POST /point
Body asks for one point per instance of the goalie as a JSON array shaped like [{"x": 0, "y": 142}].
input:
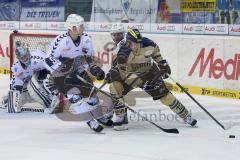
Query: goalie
[{"x": 29, "y": 82}]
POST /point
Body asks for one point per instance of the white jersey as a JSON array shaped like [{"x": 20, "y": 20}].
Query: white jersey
[
  {"x": 122, "y": 42},
  {"x": 63, "y": 46},
  {"x": 22, "y": 75},
  {"x": 119, "y": 45}
]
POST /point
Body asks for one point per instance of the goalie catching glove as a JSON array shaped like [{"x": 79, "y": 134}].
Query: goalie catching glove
[
  {"x": 97, "y": 72},
  {"x": 164, "y": 68}
]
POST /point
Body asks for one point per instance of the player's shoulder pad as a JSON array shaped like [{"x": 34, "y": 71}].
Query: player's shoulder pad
[
  {"x": 146, "y": 42},
  {"x": 86, "y": 39},
  {"x": 16, "y": 67},
  {"x": 38, "y": 55},
  {"x": 58, "y": 40},
  {"x": 124, "y": 49},
  {"x": 86, "y": 35},
  {"x": 61, "y": 36}
]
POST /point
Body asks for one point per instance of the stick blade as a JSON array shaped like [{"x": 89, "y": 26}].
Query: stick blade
[{"x": 172, "y": 130}]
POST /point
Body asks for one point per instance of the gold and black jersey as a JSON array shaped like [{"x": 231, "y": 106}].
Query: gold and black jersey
[{"x": 142, "y": 61}]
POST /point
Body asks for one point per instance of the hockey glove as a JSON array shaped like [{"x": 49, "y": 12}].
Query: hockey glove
[
  {"x": 121, "y": 58},
  {"x": 112, "y": 75},
  {"x": 97, "y": 72},
  {"x": 164, "y": 69}
]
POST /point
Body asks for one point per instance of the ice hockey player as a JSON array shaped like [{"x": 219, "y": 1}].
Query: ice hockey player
[
  {"x": 27, "y": 83},
  {"x": 118, "y": 35},
  {"x": 76, "y": 46},
  {"x": 140, "y": 65}
]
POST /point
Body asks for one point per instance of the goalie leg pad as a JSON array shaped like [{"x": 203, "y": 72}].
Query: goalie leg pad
[
  {"x": 14, "y": 102},
  {"x": 38, "y": 93},
  {"x": 54, "y": 106},
  {"x": 49, "y": 86}
]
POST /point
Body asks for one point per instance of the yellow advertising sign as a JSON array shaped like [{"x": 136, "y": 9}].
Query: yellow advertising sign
[
  {"x": 4, "y": 71},
  {"x": 198, "y": 6}
]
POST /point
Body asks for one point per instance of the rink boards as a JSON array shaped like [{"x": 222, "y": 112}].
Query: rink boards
[{"x": 205, "y": 65}]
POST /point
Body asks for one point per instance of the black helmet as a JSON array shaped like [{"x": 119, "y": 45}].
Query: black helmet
[{"x": 134, "y": 35}]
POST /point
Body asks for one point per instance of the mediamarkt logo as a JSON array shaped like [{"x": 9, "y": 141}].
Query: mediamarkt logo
[{"x": 216, "y": 67}]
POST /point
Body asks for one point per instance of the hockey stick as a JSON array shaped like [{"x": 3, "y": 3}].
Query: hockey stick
[
  {"x": 184, "y": 90},
  {"x": 104, "y": 83},
  {"x": 172, "y": 130},
  {"x": 191, "y": 96}
]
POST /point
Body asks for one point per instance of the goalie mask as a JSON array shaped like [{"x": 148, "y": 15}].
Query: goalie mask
[
  {"x": 23, "y": 55},
  {"x": 117, "y": 32},
  {"x": 75, "y": 23}
]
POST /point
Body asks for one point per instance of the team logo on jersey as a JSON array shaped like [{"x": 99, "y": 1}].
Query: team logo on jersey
[
  {"x": 66, "y": 49},
  {"x": 85, "y": 50}
]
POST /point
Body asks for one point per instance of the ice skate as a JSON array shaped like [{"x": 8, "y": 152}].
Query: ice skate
[
  {"x": 105, "y": 121},
  {"x": 121, "y": 123},
  {"x": 95, "y": 126},
  {"x": 191, "y": 121}
]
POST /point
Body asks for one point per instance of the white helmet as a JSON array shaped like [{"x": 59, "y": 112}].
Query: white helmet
[
  {"x": 117, "y": 28},
  {"x": 74, "y": 20}
]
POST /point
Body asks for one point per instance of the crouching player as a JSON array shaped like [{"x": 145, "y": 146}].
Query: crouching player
[
  {"x": 140, "y": 65},
  {"x": 70, "y": 61},
  {"x": 29, "y": 82}
]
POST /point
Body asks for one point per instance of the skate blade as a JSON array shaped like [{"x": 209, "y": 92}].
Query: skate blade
[{"x": 120, "y": 128}]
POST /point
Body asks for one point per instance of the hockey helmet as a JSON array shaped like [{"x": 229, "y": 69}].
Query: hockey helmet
[
  {"x": 117, "y": 32},
  {"x": 117, "y": 28},
  {"x": 23, "y": 55},
  {"x": 134, "y": 35},
  {"x": 74, "y": 20}
]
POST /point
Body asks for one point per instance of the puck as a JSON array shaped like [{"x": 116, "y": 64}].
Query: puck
[{"x": 231, "y": 136}]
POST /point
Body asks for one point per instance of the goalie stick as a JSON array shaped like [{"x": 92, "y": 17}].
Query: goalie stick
[{"x": 171, "y": 130}]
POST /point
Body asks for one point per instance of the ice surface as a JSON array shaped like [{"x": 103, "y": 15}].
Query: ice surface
[{"x": 38, "y": 136}]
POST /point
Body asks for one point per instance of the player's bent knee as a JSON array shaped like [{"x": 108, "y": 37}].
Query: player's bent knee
[{"x": 116, "y": 88}]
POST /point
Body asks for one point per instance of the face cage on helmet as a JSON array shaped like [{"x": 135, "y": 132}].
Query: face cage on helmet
[
  {"x": 25, "y": 59},
  {"x": 78, "y": 29},
  {"x": 122, "y": 35}
]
